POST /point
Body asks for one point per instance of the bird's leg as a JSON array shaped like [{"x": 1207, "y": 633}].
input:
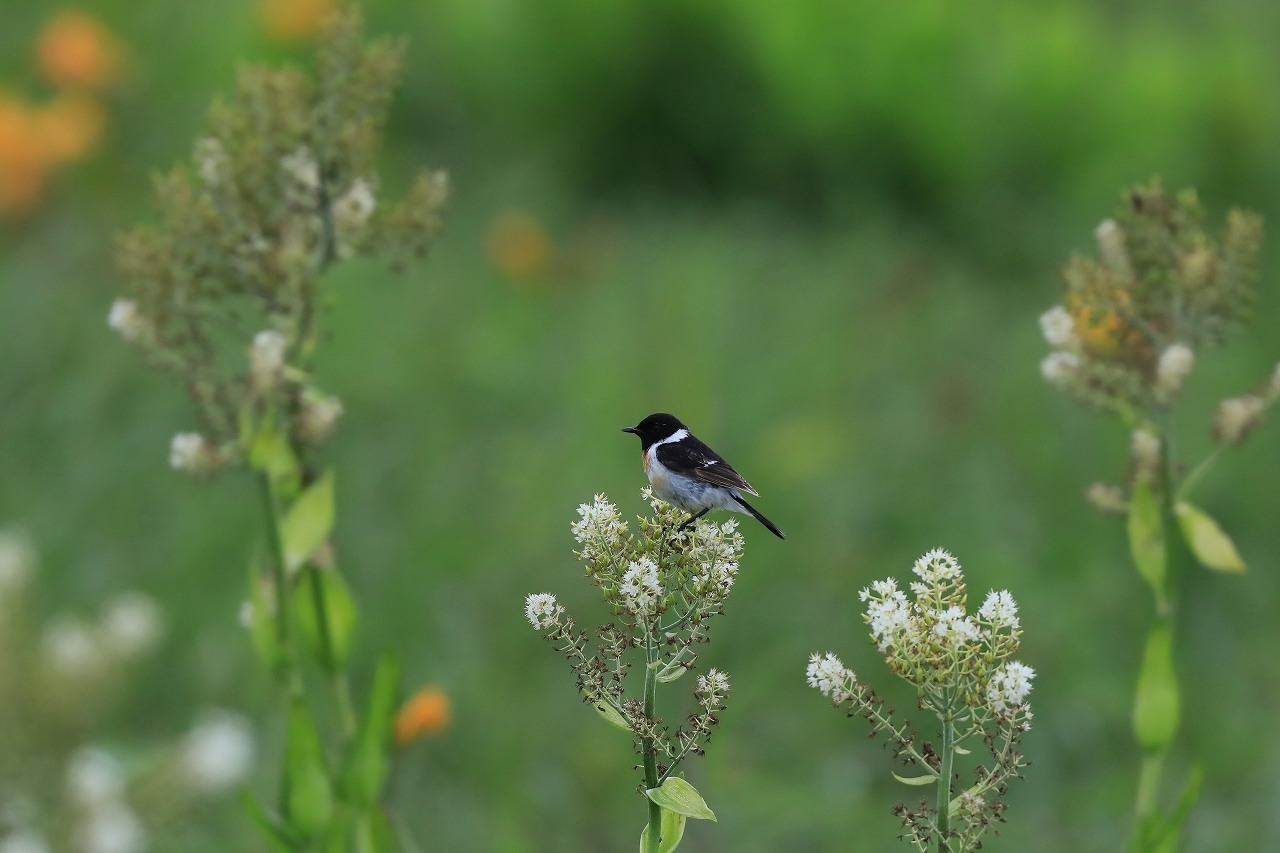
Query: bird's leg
[{"x": 691, "y": 519}]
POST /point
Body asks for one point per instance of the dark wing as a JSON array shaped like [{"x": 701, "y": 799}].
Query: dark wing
[{"x": 694, "y": 459}]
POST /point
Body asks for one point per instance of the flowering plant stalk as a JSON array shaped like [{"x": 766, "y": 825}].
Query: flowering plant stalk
[
  {"x": 1125, "y": 340},
  {"x": 226, "y": 293},
  {"x": 961, "y": 668},
  {"x": 662, "y": 585}
]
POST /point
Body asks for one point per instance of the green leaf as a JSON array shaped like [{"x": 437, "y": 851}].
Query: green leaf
[
  {"x": 262, "y": 621},
  {"x": 367, "y": 768},
  {"x": 308, "y": 792},
  {"x": 916, "y": 780},
  {"x": 277, "y": 835},
  {"x": 1156, "y": 706},
  {"x": 611, "y": 715},
  {"x": 1146, "y": 537},
  {"x": 339, "y": 609},
  {"x": 375, "y": 834},
  {"x": 308, "y": 522},
  {"x": 960, "y": 750},
  {"x": 670, "y": 673},
  {"x": 1207, "y": 540},
  {"x": 679, "y": 796},
  {"x": 671, "y": 829}
]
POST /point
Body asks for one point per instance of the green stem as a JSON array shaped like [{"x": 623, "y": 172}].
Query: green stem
[
  {"x": 337, "y": 678},
  {"x": 287, "y": 670},
  {"x": 653, "y": 832},
  {"x": 1199, "y": 471},
  {"x": 944, "y": 782},
  {"x": 1149, "y": 787}
]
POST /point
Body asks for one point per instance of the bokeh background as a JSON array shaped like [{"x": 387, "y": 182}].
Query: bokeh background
[{"x": 819, "y": 232}]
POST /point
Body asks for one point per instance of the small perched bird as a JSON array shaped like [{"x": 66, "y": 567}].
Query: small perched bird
[{"x": 686, "y": 473}]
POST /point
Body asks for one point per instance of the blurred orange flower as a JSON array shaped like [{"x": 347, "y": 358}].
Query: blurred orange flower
[
  {"x": 76, "y": 50},
  {"x": 519, "y": 246},
  {"x": 424, "y": 713},
  {"x": 295, "y": 20},
  {"x": 22, "y": 158},
  {"x": 69, "y": 127}
]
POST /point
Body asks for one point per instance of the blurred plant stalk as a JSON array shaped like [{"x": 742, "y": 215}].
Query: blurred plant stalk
[
  {"x": 227, "y": 294},
  {"x": 1124, "y": 341}
]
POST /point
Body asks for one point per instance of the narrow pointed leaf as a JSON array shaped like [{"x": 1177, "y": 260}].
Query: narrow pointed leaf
[
  {"x": 1156, "y": 706},
  {"x": 670, "y": 673},
  {"x": 611, "y": 715},
  {"x": 1207, "y": 540},
  {"x": 339, "y": 610},
  {"x": 308, "y": 792},
  {"x": 916, "y": 780},
  {"x": 1146, "y": 536},
  {"x": 679, "y": 796},
  {"x": 275, "y": 833},
  {"x": 367, "y": 769},
  {"x": 308, "y": 522}
]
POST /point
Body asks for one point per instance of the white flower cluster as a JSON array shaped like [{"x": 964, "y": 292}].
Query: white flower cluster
[
  {"x": 218, "y": 752},
  {"x": 1175, "y": 363},
  {"x": 717, "y": 549},
  {"x": 542, "y": 610},
  {"x": 1236, "y": 417},
  {"x": 640, "y": 588},
  {"x": 830, "y": 677},
  {"x": 600, "y": 528},
  {"x": 936, "y": 567},
  {"x": 96, "y": 784},
  {"x": 301, "y": 168},
  {"x": 351, "y": 212},
  {"x": 266, "y": 360},
  {"x": 192, "y": 453},
  {"x": 129, "y": 625},
  {"x": 714, "y": 684},
  {"x": 212, "y": 161},
  {"x": 1009, "y": 686},
  {"x": 955, "y": 627},
  {"x": 889, "y": 614},
  {"x": 127, "y": 320},
  {"x": 1000, "y": 610},
  {"x": 1060, "y": 366},
  {"x": 319, "y": 416}
]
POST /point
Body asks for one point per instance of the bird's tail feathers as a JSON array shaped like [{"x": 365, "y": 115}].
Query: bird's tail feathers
[{"x": 773, "y": 528}]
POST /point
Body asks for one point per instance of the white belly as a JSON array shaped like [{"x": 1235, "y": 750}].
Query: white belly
[{"x": 690, "y": 495}]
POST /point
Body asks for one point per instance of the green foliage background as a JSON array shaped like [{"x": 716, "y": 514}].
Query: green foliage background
[{"x": 819, "y": 232}]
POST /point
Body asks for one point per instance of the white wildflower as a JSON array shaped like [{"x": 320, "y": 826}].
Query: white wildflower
[
  {"x": 113, "y": 828},
  {"x": 955, "y": 627},
  {"x": 1010, "y": 685},
  {"x": 1111, "y": 246},
  {"x": 1236, "y": 416},
  {"x": 131, "y": 623},
  {"x": 190, "y": 452},
  {"x": 217, "y": 753},
  {"x": 266, "y": 360},
  {"x": 1107, "y": 498},
  {"x": 937, "y": 566},
  {"x": 302, "y": 168},
  {"x": 1145, "y": 448},
  {"x": 211, "y": 161},
  {"x": 542, "y": 610},
  {"x": 1059, "y": 368},
  {"x": 94, "y": 777},
  {"x": 640, "y": 588},
  {"x": 319, "y": 416},
  {"x": 830, "y": 677},
  {"x": 1175, "y": 363},
  {"x": 714, "y": 681},
  {"x": 1057, "y": 326},
  {"x": 71, "y": 647},
  {"x": 890, "y": 620},
  {"x": 600, "y": 529},
  {"x": 351, "y": 213},
  {"x": 1000, "y": 610},
  {"x": 127, "y": 320}
]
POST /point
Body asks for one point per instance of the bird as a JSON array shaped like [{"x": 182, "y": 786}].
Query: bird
[{"x": 687, "y": 474}]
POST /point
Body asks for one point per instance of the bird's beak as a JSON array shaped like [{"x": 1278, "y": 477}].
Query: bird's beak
[{"x": 629, "y": 429}]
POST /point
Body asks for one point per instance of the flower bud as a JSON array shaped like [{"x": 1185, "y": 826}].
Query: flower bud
[{"x": 1236, "y": 416}]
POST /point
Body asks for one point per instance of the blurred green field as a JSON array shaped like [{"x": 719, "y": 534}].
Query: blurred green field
[{"x": 819, "y": 233}]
